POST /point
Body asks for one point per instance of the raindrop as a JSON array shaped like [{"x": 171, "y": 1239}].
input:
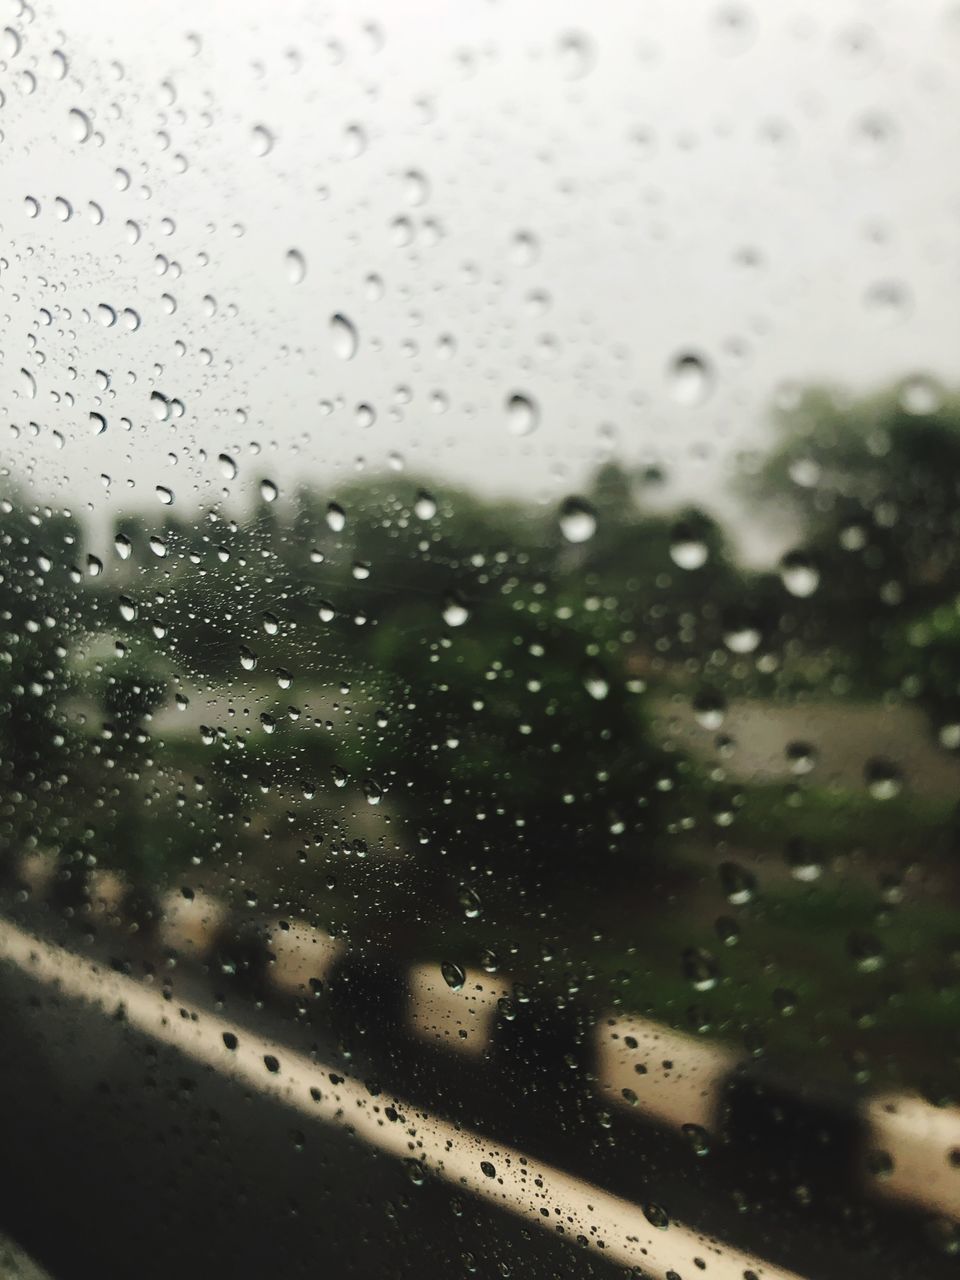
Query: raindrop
[
  {"x": 887, "y": 301},
  {"x": 921, "y": 395},
  {"x": 28, "y": 384},
  {"x": 690, "y": 379},
  {"x": 687, "y": 550},
  {"x": 425, "y": 505},
  {"x": 523, "y": 415},
  {"x": 801, "y": 757},
  {"x": 656, "y": 1215},
  {"x": 416, "y": 190},
  {"x": 709, "y": 710},
  {"x": 575, "y": 54},
  {"x": 268, "y": 491},
  {"x": 98, "y": 423},
  {"x": 355, "y": 141},
  {"x": 455, "y": 612},
  {"x": 344, "y": 337},
  {"x": 884, "y": 780},
  {"x": 578, "y": 520},
  {"x": 106, "y": 315},
  {"x": 123, "y": 546},
  {"x": 738, "y": 884},
  {"x": 261, "y": 139},
  {"x": 596, "y": 683},
  {"x": 697, "y": 1137},
  {"x": 80, "y": 126},
  {"x": 248, "y": 659},
  {"x": 296, "y": 266},
  {"x": 336, "y": 517},
  {"x": 700, "y": 968},
  {"x": 164, "y": 494},
  {"x": 799, "y": 575},
  {"x": 453, "y": 975},
  {"x": 469, "y": 900},
  {"x": 742, "y": 639},
  {"x": 158, "y": 546},
  {"x": 271, "y": 624},
  {"x": 228, "y": 467}
]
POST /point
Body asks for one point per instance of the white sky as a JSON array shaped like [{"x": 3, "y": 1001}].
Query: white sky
[{"x": 643, "y": 146}]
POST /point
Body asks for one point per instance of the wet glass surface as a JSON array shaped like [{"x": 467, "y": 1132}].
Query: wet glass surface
[{"x": 480, "y": 639}]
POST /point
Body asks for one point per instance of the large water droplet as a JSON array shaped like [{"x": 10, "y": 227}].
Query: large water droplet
[
  {"x": 453, "y": 975},
  {"x": 690, "y": 379},
  {"x": 799, "y": 574},
  {"x": 261, "y": 140},
  {"x": 884, "y": 780},
  {"x": 425, "y": 506},
  {"x": 523, "y": 415},
  {"x": 80, "y": 126},
  {"x": 344, "y": 337},
  {"x": 687, "y": 550},
  {"x": 578, "y": 520},
  {"x": 455, "y": 612},
  {"x": 336, "y": 517},
  {"x": 296, "y": 266}
]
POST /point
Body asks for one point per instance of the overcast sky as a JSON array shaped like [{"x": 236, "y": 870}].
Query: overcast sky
[{"x": 548, "y": 200}]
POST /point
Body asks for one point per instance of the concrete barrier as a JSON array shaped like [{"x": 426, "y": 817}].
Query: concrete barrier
[
  {"x": 461, "y": 1019},
  {"x": 673, "y": 1077},
  {"x": 914, "y": 1152}
]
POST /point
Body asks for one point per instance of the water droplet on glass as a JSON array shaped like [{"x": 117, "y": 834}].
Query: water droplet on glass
[
  {"x": 425, "y": 506},
  {"x": 271, "y": 624},
  {"x": 455, "y": 612},
  {"x": 28, "y": 384},
  {"x": 344, "y": 337},
  {"x": 336, "y": 517},
  {"x": 801, "y": 757},
  {"x": 158, "y": 546},
  {"x": 248, "y": 659},
  {"x": 799, "y": 574},
  {"x": 261, "y": 139},
  {"x": 884, "y": 780},
  {"x": 709, "y": 710},
  {"x": 296, "y": 266},
  {"x": 453, "y": 975},
  {"x": 469, "y": 900},
  {"x": 523, "y": 415},
  {"x": 700, "y": 968},
  {"x": 742, "y": 639},
  {"x": 268, "y": 491},
  {"x": 228, "y": 467},
  {"x": 690, "y": 379},
  {"x": 123, "y": 545},
  {"x": 575, "y": 54},
  {"x": 80, "y": 126},
  {"x": 687, "y": 550},
  {"x": 578, "y": 520},
  {"x": 596, "y": 683},
  {"x": 164, "y": 494}
]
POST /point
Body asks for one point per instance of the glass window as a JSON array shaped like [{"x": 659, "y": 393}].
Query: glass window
[{"x": 480, "y": 639}]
